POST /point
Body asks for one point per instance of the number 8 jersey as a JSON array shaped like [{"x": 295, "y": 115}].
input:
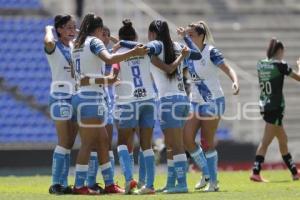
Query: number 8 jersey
[
  {"x": 271, "y": 78},
  {"x": 136, "y": 83}
]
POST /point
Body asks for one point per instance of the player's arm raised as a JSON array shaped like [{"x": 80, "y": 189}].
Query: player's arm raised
[
  {"x": 296, "y": 75},
  {"x": 49, "y": 40}
]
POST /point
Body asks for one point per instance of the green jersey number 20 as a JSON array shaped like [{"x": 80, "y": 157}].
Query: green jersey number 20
[{"x": 266, "y": 87}]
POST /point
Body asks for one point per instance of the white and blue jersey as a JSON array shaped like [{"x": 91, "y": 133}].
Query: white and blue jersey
[
  {"x": 62, "y": 85},
  {"x": 89, "y": 101},
  {"x": 174, "y": 104},
  {"x": 135, "y": 94},
  {"x": 206, "y": 96}
]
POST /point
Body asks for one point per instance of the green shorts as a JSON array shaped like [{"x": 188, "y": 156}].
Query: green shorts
[{"x": 273, "y": 116}]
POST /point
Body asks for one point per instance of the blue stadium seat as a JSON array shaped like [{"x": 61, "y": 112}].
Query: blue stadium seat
[
  {"x": 20, "y": 4},
  {"x": 20, "y": 124}
]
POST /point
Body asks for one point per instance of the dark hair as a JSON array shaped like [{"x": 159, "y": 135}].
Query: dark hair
[
  {"x": 274, "y": 46},
  {"x": 89, "y": 24},
  {"x": 106, "y": 29},
  {"x": 161, "y": 29},
  {"x": 60, "y": 21},
  {"x": 127, "y": 32}
]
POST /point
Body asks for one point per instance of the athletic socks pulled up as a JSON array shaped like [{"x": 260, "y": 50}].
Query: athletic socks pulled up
[
  {"x": 290, "y": 163},
  {"x": 107, "y": 173},
  {"x": 80, "y": 175},
  {"x": 171, "y": 180},
  {"x": 180, "y": 165},
  {"x": 150, "y": 167},
  {"x": 142, "y": 168},
  {"x": 212, "y": 163},
  {"x": 199, "y": 158},
  {"x": 112, "y": 161},
  {"x": 93, "y": 169},
  {"x": 257, "y": 164},
  {"x": 60, "y": 169},
  {"x": 125, "y": 162}
]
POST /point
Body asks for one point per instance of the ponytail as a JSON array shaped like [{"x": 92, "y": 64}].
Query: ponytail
[
  {"x": 274, "y": 46},
  {"x": 89, "y": 24},
  {"x": 161, "y": 28}
]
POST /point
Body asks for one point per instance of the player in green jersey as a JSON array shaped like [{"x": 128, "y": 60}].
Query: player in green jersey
[{"x": 271, "y": 72}]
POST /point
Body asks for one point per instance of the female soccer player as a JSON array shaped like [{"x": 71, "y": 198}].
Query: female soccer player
[
  {"x": 93, "y": 163},
  {"x": 207, "y": 99},
  {"x": 135, "y": 100},
  {"x": 62, "y": 89},
  {"x": 271, "y": 72},
  {"x": 174, "y": 104},
  {"x": 88, "y": 55}
]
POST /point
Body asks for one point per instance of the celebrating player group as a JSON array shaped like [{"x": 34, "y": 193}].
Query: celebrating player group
[{"x": 99, "y": 81}]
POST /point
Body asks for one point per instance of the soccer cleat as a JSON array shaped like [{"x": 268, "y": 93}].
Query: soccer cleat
[
  {"x": 212, "y": 187},
  {"x": 176, "y": 189},
  {"x": 84, "y": 191},
  {"x": 140, "y": 185},
  {"x": 144, "y": 190},
  {"x": 296, "y": 177},
  {"x": 130, "y": 187},
  {"x": 96, "y": 187},
  {"x": 68, "y": 189},
  {"x": 258, "y": 178},
  {"x": 56, "y": 189},
  {"x": 162, "y": 189},
  {"x": 113, "y": 189},
  {"x": 202, "y": 183}
]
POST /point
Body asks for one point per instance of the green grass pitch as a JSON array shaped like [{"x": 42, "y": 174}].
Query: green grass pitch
[{"x": 233, "y": 186}]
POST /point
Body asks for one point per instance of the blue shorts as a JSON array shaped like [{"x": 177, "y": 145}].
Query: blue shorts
[
  {"x": 213, "y": 108},
  {"x": 61, "y": 106},
  {"x": 89, "y": 105},
  {"x": 173, "y": 111},
  {"x": 139, "y": 113}
]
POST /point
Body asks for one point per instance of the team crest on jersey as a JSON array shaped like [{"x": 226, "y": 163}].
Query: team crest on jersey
[
  {"x": 203, "y": 62},
  {"x": 101, "y": 110},
  {"x": 65, "y": 112}
]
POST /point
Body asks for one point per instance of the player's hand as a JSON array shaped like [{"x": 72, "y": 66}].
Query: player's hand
[
  {"x": 235, "y": 88},
  {"x": 112, "y": 79},
  {"x": 185, "y": 51},
  {"x": 298, "y": 62},
  {"x": 50, "y": 27},
  {"x": 116, "y": 47},
  {"x": 181, "y": 31},
  {"x": 84, "y": 81},
  {"x": 140, "y": 50}
]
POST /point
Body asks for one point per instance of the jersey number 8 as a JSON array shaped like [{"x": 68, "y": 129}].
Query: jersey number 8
[{"x": 136, "y": 76}]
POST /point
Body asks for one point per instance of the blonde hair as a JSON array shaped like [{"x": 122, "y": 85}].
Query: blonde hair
[{"x": 202, "y": 28}]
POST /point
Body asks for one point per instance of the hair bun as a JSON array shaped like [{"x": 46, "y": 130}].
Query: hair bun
[
  {"x": 57, "y": 18},
  {"x": 127, "y": 23}
]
